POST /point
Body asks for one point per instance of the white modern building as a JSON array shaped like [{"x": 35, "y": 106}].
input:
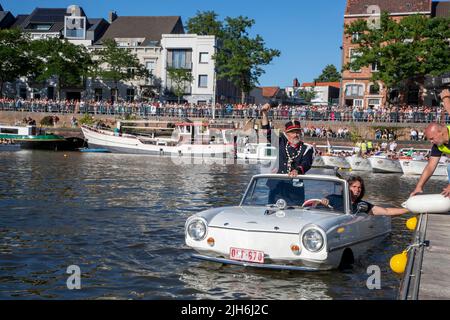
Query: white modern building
[
  {"x": 194, "y": 53},
  {"x": 325, "y": 92}
]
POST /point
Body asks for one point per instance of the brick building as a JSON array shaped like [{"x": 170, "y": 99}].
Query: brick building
[{"x": 357, "y": 88}]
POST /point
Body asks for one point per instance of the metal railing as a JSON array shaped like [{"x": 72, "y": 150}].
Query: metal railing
[{"x": 146, "y": 110}]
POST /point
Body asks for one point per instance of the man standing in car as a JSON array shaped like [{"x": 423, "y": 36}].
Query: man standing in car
[{"x": 294, "y": 157}]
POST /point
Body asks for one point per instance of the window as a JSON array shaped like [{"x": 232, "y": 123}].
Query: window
[
  {"x": 204, "y": 57},
  {"x": 122, "y": 44},
  {"x": 356, "y": 36},
  {"x": 150, "y": 65},
  {"x": 23, "y": 92},
  {"x": 39, "y": 26},
  {"x": 98, "y": 94},
  {"x": 374, "y": 103},
  {"x": 179, "y": 59},
  {"x": 203, "y": 81},
  {"x": 355, "y": 90},
  {"x": 374, "y": 67},
  {"x": 114, "y": 94},
  {"x": 353, "y": 55},
  {"x": 358, "y": 102},
  {"x": 130, "y": 95},
  {"x": 9, "y": 131},
  {"x": 374, "y": 89},
  {"x": 130, "y": 72}
]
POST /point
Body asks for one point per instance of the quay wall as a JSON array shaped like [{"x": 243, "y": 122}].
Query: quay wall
[{"x": 365, "y": 130}]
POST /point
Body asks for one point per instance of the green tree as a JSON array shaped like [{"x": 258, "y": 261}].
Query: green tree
[
  {"x": 205, "y": 24},
  {"x": 306, "y": 95},
  {"x": 179, "y": 78},
  {"x": 329, "y": 74},
  {"x": 118, "y": 64},
  {"x": 239, "y": 57},
  {"x": 404, "y": 52},
  {"x": 69, "y": 63},
  {"x": 15, "y": 57}
]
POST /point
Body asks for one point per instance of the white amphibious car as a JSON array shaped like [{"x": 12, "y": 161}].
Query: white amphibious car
[{"x": 281, "y": 224}]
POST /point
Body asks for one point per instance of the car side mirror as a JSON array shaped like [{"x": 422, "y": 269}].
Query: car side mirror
[{"x": 362, "y": 207}]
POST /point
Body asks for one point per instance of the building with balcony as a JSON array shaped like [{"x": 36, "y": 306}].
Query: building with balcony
[{"x": 194, "y": 53}]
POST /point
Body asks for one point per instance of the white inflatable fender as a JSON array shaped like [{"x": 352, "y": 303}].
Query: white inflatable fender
[{"x": 430, "y": 203}]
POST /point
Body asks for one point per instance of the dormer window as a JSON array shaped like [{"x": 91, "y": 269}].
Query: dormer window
[{"x": 40, "y": 26}]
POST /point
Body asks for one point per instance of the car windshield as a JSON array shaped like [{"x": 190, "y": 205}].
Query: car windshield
[{"x": 296, "y": 192}]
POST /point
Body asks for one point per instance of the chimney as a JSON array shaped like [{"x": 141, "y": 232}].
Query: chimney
[
  {"x": 112, "y": 16},
  {"x": 296, "y": 84}
]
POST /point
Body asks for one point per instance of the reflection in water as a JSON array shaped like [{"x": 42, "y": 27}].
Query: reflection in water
[{"x": 121, "y": 219}]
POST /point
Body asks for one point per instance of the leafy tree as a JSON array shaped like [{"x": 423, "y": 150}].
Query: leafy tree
[
  {"x": 15, "y": 58},
  {"x": 405, "y": 52},
  {"x": 239, "y": 57},
  {"x": 204, "y": 24},
  {"x": 179, "y": 78},
  {"x": 329, "y": 74},
  {"x": 118, "y": 64},
  {"x": 69, "y": 63},
  {"x": 306, "y": 95}
]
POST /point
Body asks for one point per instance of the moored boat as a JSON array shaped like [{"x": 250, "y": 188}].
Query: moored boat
[
  {"x": 383, "y": 164},
  {"x": 358, "y": 163},
  {"x": 257, "y": 151},
  {"x": 330, "y": 161},
  {"x": 185, "y": 139},
  {"x": 416, "y": 167},
  {"x": 30, "y": 137}
]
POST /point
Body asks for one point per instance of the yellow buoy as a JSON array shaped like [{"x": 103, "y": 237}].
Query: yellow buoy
[
  {"x": 398, "y": 262},
  {"x": 411, "y": 224}
]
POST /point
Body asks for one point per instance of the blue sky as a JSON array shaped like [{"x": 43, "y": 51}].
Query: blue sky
[{"x": 308, "y": 33}]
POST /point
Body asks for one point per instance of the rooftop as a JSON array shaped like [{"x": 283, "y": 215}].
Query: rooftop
[
  {"x": 361, "y": 7},
  {"x": 150, "y": 27}
]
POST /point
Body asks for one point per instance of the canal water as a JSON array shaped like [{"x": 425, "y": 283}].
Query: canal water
[{"x": 120, "y": 218}]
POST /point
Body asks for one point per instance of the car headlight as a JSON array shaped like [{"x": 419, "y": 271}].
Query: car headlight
[
  {"x": 196, "y": 229},
  {"x": 312, "y": 240}
]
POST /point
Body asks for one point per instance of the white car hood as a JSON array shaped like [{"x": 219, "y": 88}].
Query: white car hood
[{"x": 254, "y": 219}]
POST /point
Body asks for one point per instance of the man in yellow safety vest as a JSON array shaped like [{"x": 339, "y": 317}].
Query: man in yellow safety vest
[{"x": 439, "y": 135}]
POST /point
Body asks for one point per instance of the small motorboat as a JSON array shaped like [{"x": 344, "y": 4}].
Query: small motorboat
[
  {"x": 257, "y": 151},
  {"x": 358, "y": 163},
  {"x": 416, "y": 167},
  {"x": 383, "y": 164}
]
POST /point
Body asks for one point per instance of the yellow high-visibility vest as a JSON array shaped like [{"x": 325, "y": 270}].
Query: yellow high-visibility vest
[{"x": 443, "y": 148}]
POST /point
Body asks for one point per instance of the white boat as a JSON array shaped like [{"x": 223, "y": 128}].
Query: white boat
[
  {"x": 187, "y": 139},
  {"x": 331, "y": 157},
  {"x": 318, "y": 162},
  {"x": 358, "y": 163},
  {"x": 382, "y": 164},
  {"x": 415, "y": 167},
  {"x": 257, "y": 151},
  {"x": 335, "y": 162}
]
